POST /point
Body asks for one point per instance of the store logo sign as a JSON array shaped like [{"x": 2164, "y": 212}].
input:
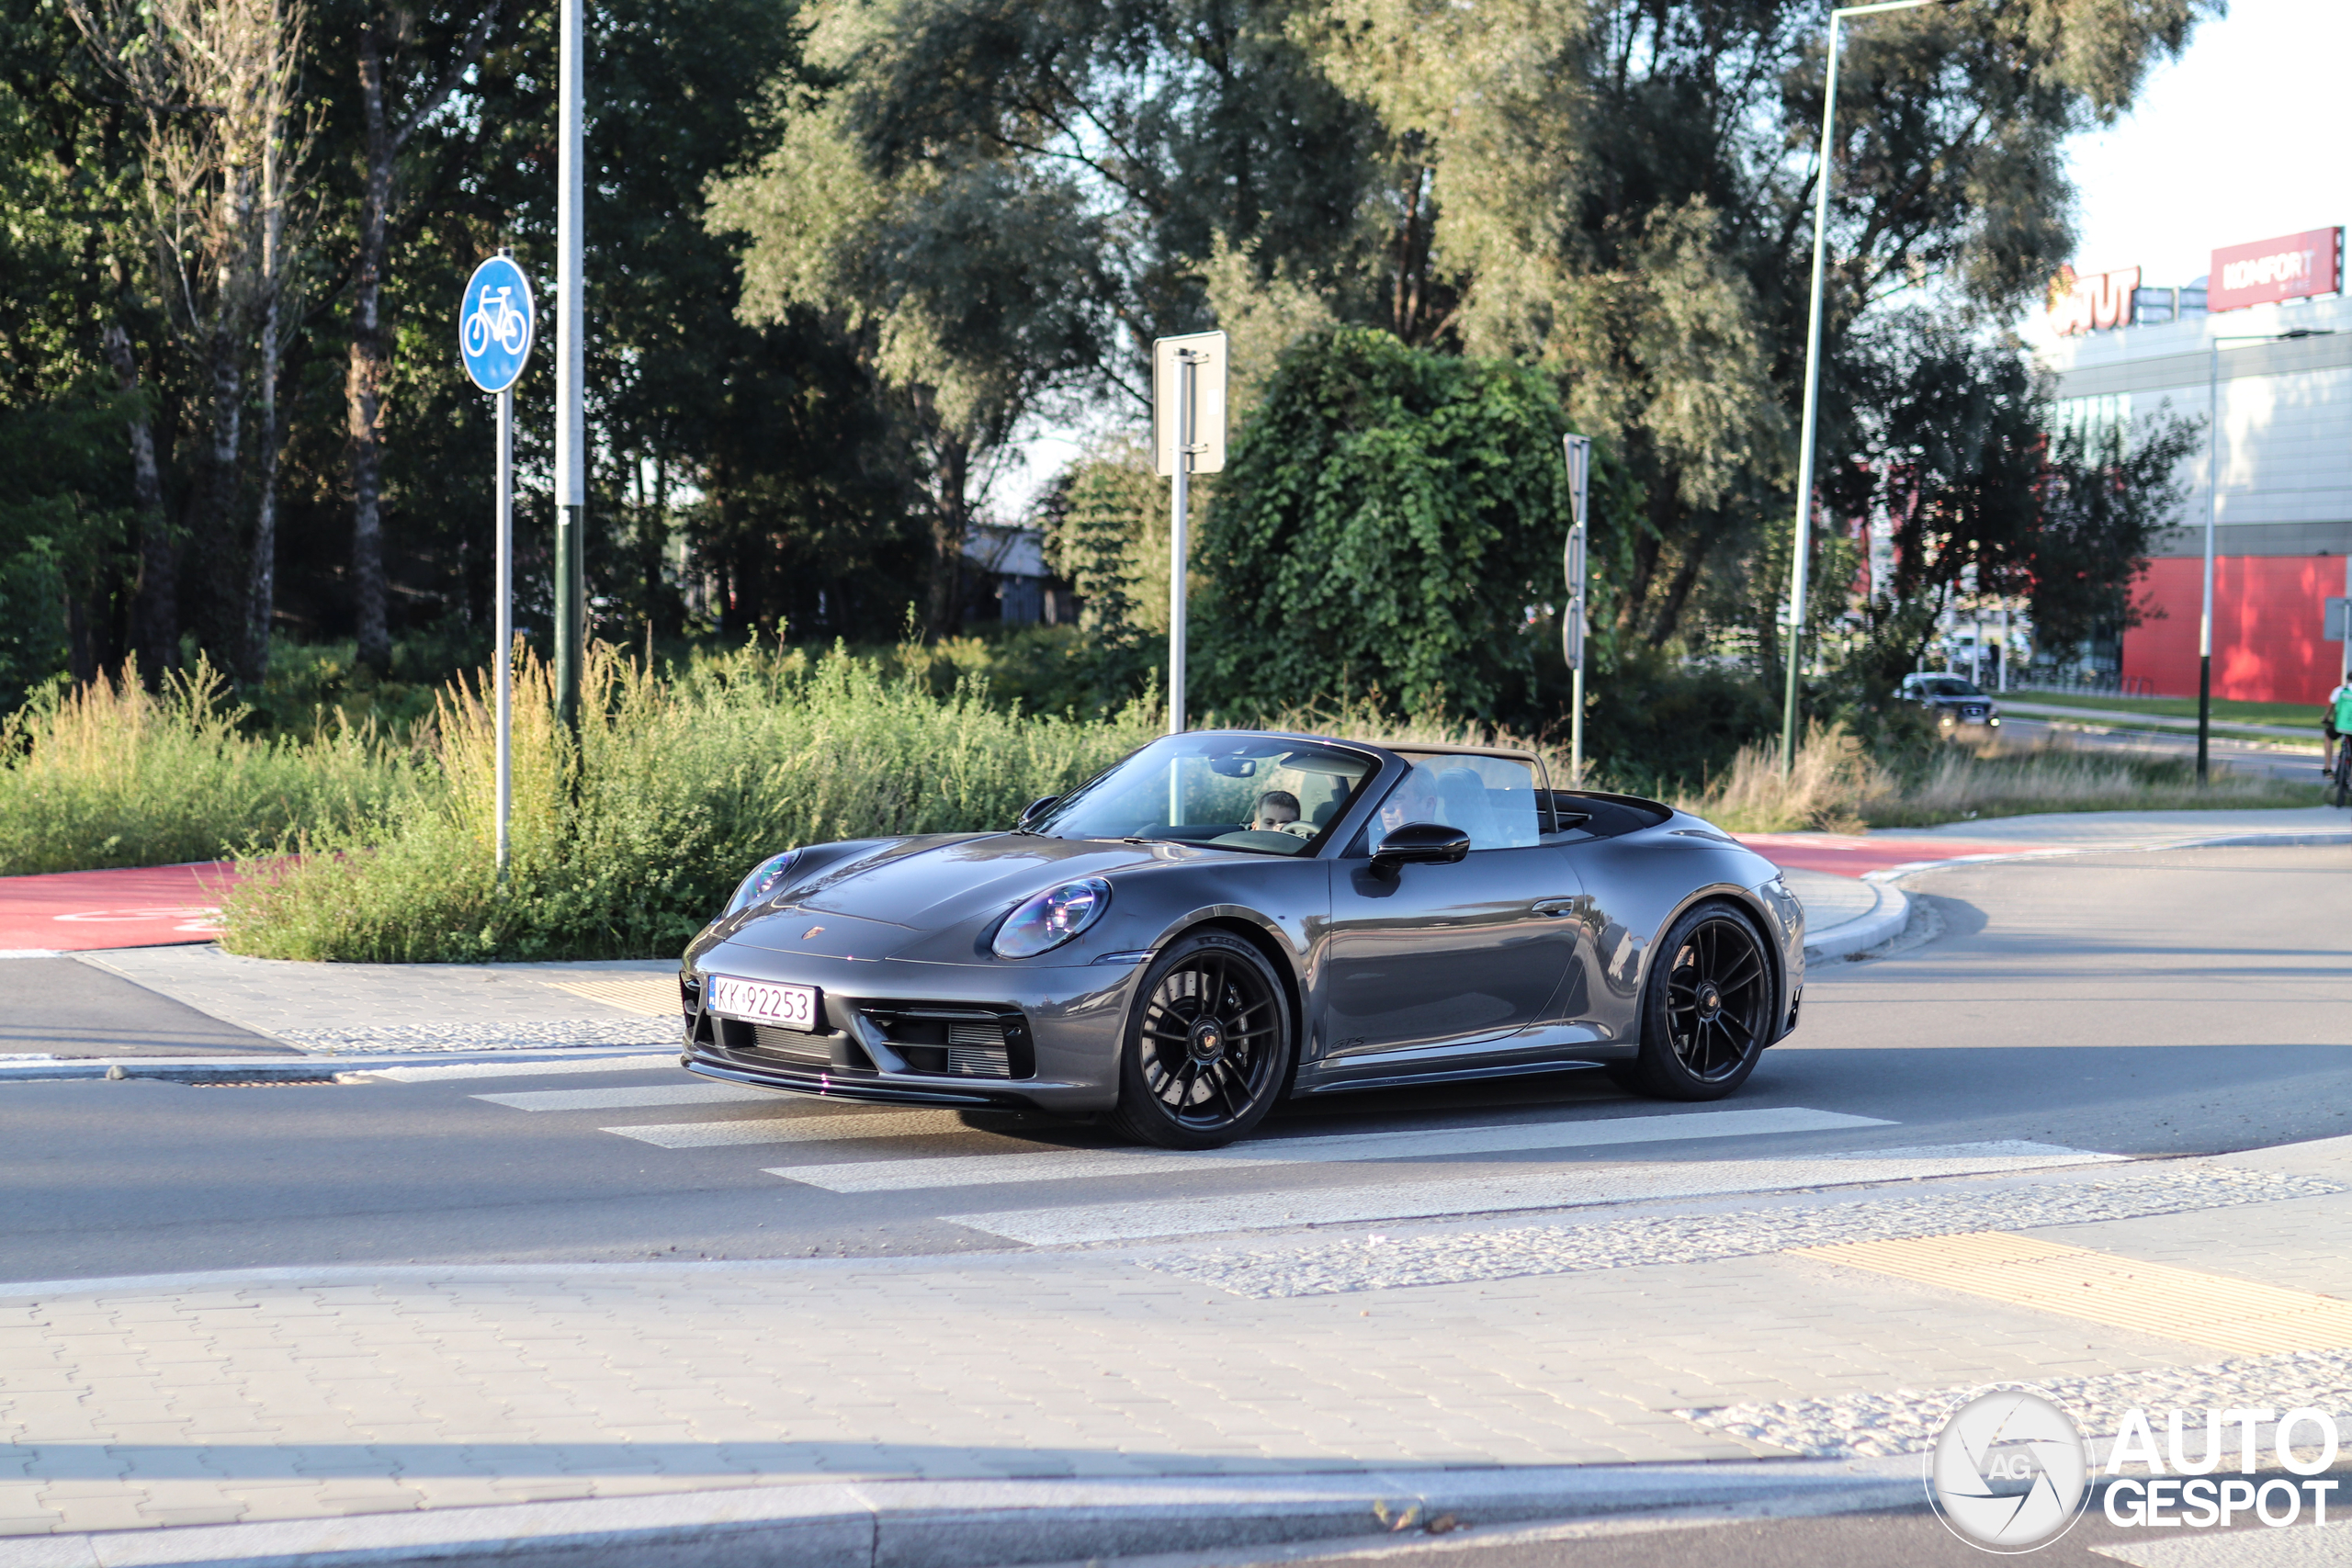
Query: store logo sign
[
  {"x": 2294, "y": 266},
  {"x": 2093, "y": 302}
]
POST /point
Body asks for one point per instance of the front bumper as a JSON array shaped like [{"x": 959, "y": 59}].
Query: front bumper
[{"x": 906, "y": 1032}]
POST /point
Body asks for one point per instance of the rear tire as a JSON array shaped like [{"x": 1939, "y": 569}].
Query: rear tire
[
  {"x": 1707, "y": 1011},
  {"x": 1206, "y": 1051}
]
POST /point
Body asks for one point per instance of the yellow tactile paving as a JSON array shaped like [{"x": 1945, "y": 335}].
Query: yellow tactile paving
[
  {"x": 656, "y": 996},
  {"x": 2237, "y": 1315}
]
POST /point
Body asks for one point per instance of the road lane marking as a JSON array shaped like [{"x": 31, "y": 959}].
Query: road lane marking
[
  {"x": 2237, "y": 1316},
  {"x": 641, "y": 1094},
  {"x": 1575, "y": 1186},
  {"x": 800, "y": 1129},
  {"x": 1062, "y": 1165},
  {"x": 443, "y": 1071}
]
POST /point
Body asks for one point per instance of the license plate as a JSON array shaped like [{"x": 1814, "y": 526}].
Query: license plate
[{"x": 758, "y": 1001}]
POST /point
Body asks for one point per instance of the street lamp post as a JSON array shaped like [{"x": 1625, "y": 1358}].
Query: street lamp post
[
  {"x": 1813, "y": 368},
  {"x": 570, "y": 354},
  {"x": 2213, "y": 494}
]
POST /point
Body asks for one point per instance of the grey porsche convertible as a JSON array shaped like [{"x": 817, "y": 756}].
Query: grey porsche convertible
[{"x": 1227, "y": 917}]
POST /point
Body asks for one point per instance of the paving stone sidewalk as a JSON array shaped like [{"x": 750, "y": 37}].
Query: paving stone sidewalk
[{"x": 294, "y": 1394}]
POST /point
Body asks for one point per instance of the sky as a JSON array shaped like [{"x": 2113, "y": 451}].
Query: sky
[{"x": 2240, "y": 139}]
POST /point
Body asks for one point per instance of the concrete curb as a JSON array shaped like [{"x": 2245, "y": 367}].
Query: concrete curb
[
  {"x": 975, "y": 1524},
  {"x": 1882, "y": 923},
  {"x": 281, "y": 1070}
]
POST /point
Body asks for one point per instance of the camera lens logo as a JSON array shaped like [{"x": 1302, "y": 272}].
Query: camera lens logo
[{"x": 2008, "y": 1473}]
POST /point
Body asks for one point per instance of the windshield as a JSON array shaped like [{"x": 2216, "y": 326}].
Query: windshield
[
  {"x": 1262, "y": 794},
  {"x": 1948, "y": 686}
]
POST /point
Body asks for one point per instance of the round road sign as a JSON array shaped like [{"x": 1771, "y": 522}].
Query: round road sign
[{"x": 495, "y": 325}]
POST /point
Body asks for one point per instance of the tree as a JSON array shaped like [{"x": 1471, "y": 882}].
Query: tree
[
  {"x": 407, "y": 69},
  {"x": 1617, "y": 189},
  {"x": 1983, "y": 489},
  {"x": 1390, "y": 525},
  {"x": 976, "y": 285},
  {"x": 213, "y": 84}
]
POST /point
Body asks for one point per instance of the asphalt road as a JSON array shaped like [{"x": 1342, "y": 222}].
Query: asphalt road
[
  {"x": 2191, "y": 1002},
  {"x": 1911, "y": 1537}
]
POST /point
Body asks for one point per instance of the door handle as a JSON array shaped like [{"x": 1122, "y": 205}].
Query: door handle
[{"x": 1558, "y": 906}]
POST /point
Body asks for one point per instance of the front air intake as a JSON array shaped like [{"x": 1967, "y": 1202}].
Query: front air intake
[{"x": 956, "y": 1041}]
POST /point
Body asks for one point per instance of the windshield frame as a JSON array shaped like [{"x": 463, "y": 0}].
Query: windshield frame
[{"x": 1383, "y": 770}]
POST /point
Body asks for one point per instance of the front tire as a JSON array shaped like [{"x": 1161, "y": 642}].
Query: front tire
[
  {"x": 1707, "y": 1012},
  {"x": 1206, "y": 1046}
]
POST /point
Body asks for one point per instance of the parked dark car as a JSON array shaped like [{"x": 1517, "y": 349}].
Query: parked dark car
[
  {"x": 1227, "y": 917},
  {"x": 1955, "y": 702}
]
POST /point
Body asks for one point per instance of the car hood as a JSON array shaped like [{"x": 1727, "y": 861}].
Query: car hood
[{"x": 903, "y": 891}]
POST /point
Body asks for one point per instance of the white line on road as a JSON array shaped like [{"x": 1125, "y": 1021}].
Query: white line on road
[
  {"x": 802, "y": 1129},
  {"x": 1502, "y": 1195},
  {"x": 440, "y": 1072},
  {"x": 643, "y": 1094},
  {"x": 1059, "y": 1165}
]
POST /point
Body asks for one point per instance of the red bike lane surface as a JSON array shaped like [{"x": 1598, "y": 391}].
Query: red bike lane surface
[
  {"x": 160, "y": 905},
  {"x": 1843, "y": 855},
  {"x": 143, "y": 906}
]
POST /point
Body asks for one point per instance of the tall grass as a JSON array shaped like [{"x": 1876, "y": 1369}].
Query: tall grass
[
  {"x": 626, "y": 841},
  {"x": 112, "y": 775},
  {"x": 628, "y": 836},
  {"x": 1838, "y": 786}
]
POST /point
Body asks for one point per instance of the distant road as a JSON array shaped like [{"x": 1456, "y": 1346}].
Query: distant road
[
  {"x": 2239, "y": 756},
  {"x": 2306, "y": 733}
]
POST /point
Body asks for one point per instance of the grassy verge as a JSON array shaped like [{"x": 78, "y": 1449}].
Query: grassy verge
[
  {"x": 1835, "y": 785},
  {"x": 624, "y": 842},
  {"x": 112, "y": 775},
  {"x": 626, "y": 839}
]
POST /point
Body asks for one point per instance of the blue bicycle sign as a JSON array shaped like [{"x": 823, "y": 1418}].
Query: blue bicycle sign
[{"x": 495, "y": 325}]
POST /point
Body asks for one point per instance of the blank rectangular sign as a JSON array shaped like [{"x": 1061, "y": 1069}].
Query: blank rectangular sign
[{"x": 1207, "y": 352}]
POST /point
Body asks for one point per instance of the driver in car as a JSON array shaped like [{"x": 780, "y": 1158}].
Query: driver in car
[{"x": 1277, "y": 812}]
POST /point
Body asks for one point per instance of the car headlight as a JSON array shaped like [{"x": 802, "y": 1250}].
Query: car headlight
[
  {"x": 765, "y": 878},
  {"x": 1053, "y": 917}
]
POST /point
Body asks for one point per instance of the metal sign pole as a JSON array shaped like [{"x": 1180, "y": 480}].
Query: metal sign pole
[
  {"x": 570, "y": 413},
  {"x": 506, "y": 620},
  {"x": 1179, "y": 496},
  {"x": 496, "y": 321},
  {"x": 1578, "y": 450}
]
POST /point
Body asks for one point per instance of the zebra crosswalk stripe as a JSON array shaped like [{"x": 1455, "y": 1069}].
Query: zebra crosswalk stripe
[
  {"x": 620, "y": 1098},
  {"x": 1577, "y": 1186},
  {"x": 1061, "y": 1165},
  {"x": 835, "y": 1127}
]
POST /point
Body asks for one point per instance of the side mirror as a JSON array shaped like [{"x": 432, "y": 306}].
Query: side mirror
[
  {"x": 1037, "y": 808},
  {"x": 1419, "y": 843}
]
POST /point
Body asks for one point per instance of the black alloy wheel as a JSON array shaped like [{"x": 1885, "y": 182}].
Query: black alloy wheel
[
  {"x": 1207, "y": 1045},
  {"x": 1707, "y": 1012}
]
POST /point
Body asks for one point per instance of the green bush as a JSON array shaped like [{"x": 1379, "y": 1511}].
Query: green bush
[
  {"x": 1390, "y": 517},
  {"x": 111, "y": 774},
  {"x": 626, "y": 842}
]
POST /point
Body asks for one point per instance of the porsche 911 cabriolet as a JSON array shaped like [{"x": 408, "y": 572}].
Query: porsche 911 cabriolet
[{"x": 1228, "y": 916}]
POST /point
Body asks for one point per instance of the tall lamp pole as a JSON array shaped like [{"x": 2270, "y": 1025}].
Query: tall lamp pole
[
  {"x": 1813, "y": 368},
  {"x": 570, "y": 363}
]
